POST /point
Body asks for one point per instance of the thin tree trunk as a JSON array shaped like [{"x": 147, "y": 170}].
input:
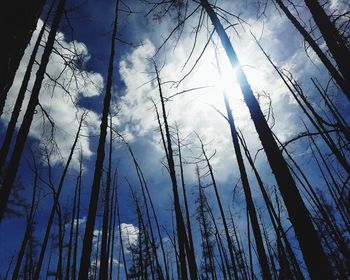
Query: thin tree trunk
[
  {"x": 314, "y": 256},
  {"x": 120, "y": 237},
  {"x": 184, "y": 192},
  {"x": 10, "y": 174},
  {"x": 343, "y": 84},
  {"x": 75, "y": 252},
  {"x": 16, "y": 37},
  {"x": 223, "y": 218},
  {"x": 330, "y": 34},
  {"x": 95, "y": 189},
  {"x": 60, "y": 243},
  {"x": 21, "y": 94},
  {"x": 56, "y": 202},
  {"x": 113, "y": 220},
  {"x": 70, "y": 241},
  {"x": 180, "y": 225},
  {"x": 104, "y": 251},
  {"x": 30, "y": 221}
]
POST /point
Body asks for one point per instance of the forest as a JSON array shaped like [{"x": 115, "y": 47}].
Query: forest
[{"x": 175, "y": 139}]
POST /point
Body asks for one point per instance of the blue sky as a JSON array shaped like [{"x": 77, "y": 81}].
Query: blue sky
[{"x": 134, "y": 87}]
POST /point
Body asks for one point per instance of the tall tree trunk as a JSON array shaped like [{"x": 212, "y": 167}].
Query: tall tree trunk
[
  {"x": 95, "y": 189},
  {"x": 71, "y": 231},
  {"x": 21, "y": 94},
  {"x": 113, "y": 221},
  {"x": 75, "y": 252},
  {"x": 30, "y": 221},
  {"x": 56, "y": 202},
  {"x": 121, "y": 244},
  {"x": 16, "y": 37},
  {"x": 104, "y": 251},
  {"x": 184, "y": 193},
  {"x": 10, "y": 174},
  {"x": 59, "y": 269},
  {"x": 223, "y": 218},
  {"x": 330, "y": 34},
  {"x": 314, "y": 256},
  {"x": 263, "y": 261},
  {"x": 180, "y": 225},
  {"x": 275, "y": 220},
  {"x": 341, "y": 81}
]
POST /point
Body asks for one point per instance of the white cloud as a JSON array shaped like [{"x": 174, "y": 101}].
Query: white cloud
[
  {"x": 129, "y": 233},
  {"x": 60, "y": 104}
]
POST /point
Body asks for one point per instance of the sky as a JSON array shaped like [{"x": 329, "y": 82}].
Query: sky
[{"x": 87, "y": 31}]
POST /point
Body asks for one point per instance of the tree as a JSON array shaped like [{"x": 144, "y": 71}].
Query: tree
[
  {"x": 314, "y": 256},
  {"x": 95, "y": 188},
  {"x": 11, "y": 171}
]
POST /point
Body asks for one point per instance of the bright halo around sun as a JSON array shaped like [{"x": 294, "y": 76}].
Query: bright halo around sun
[{"x": 215, "y": 81}]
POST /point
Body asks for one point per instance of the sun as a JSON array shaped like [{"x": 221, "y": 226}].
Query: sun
[{"x": 217, "y": 76}]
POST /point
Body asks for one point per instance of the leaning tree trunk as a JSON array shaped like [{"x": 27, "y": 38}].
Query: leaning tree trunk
[
  {"x": 180, "y": 224},
  {"x": 313, "y": 253},
  {"x": 223, "y": 218},
  {"x": 56, "y": 202},
  {"x": 20, "y": 19},
  {"x": 30, "y": 222},
  {"x": 71, "y": 231},
  {"x": 75, "y": 251},
  {"x": 332, "y": 37},
  {"x": 10, "y": 174},
  {"x": 10, "y": 130},
  {"x": 95, "y": 189},
  {"x": 248, "y": 196},
  {"x": 339, "y": 79},
  {"x": 103, "y": 274}
]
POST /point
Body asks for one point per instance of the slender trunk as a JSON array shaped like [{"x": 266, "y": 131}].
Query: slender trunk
[
  {"x": 95, "y": 189},
  {"x": 56, "y": 202},
  {"x": 75, "y": 252},
  {"x": 222, "y": 253},
  {"x": 10, "y": 174},
  {"x": 275, "y": 220},
  {"x": 21, "y": 94},
  {"x": 330, "y": 34},
  {"x": 120, "y": 237},
  {"x": 184, "y": 192},
  {"x": 180, "y": 225},
  {"x": 205, "y": 231},
  {"x": 30, "y": 221},
  {"x": 223, "y": 218},
  {"x": 113, "y": 220},
  {"x": 263, "y": 261},
  {"x": 314, "y": 256},
  {"x": 343, "y": 84},
  {"x": 70, "y": 241},
  {"x": 104, "y": 251},
  {"x": 60, "y": 243},
  {"x": 16, "y": 37}
]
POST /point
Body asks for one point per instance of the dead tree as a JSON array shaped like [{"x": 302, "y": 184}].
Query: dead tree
[
  {"x": 104, "y": 248},
  {"x": 95, "y": 189},
  {"x": 339, "y": 79},
  {"x": 180, "y": 225},
  {"x": 11, "y": 171},
  {"x": 313, "y": 253},
  {"x": 56, "y": 200},
  {"x": 16, "y": 37},
  {"x": 30, "y": 222},
  {"x": 335, "y": 42},
  {"x": 10, "y": 130}
]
